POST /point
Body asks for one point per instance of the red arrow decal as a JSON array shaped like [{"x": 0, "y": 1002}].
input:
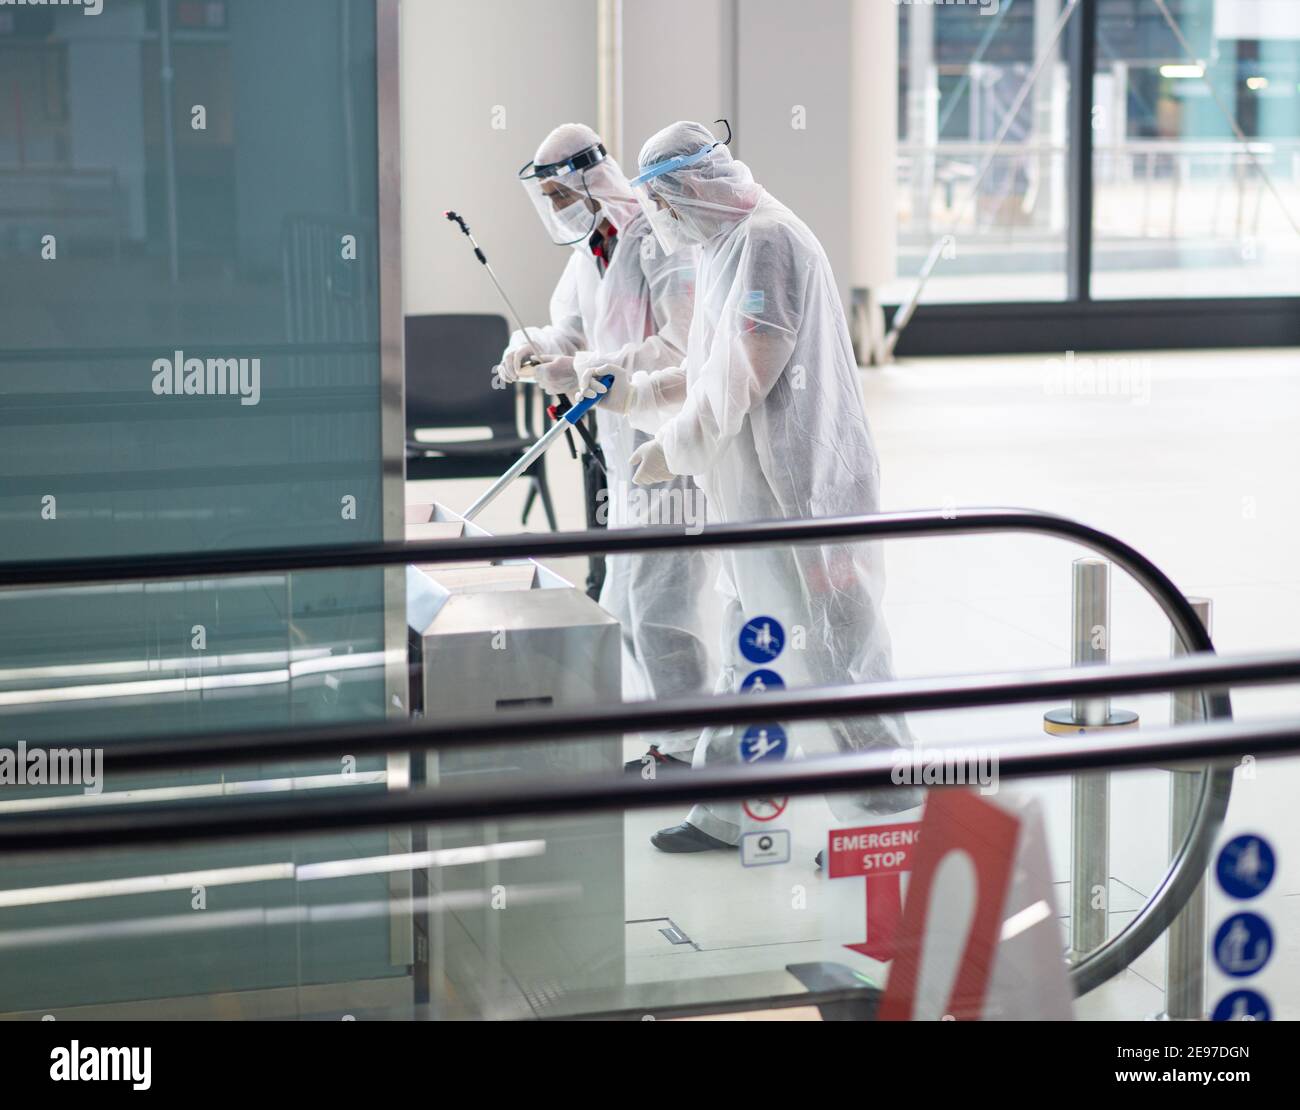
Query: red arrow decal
[{"x": 884, "y": 912}]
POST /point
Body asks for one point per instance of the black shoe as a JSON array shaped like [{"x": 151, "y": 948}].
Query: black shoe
[
  {"x": 687, "y": 838},
  {"x": 662, "y": 762}
]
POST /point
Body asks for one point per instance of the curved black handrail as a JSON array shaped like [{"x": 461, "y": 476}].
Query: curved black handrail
[
  {"x": 541, "y": 545},
  {"x": 1193, "y": 855},
  {"x": 245, "y": 816},
  {"x": 507, "y": 727}
]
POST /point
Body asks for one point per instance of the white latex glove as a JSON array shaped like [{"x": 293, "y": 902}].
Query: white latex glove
[
  {"x": 613, "y": 398},
  {"x": 650, "y": 466},
  {"x": 513, "y": 360},
  {"x": 557, "y": 375}
]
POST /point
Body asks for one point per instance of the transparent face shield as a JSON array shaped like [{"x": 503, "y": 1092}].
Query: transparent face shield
[
  {"x": 560, "y": 194},
  {"x": 663, "y": 220}
]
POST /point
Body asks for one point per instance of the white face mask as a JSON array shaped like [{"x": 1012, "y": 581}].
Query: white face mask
[
  {"x": 575, "y": 220},
  {"x": 570, "y": 224}
]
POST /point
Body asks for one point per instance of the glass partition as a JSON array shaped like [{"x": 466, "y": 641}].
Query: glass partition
[
  {"x": 190, "y": 356},
  {"x": 191, "y": 361},
  {"x": 604, "y": 909},
  {"x": 576, "y": 915}
]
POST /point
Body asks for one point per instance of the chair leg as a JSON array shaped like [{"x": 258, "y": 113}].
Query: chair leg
[
  {"x": 528, "y": 501},
  {"x": 544, "y": 491}
]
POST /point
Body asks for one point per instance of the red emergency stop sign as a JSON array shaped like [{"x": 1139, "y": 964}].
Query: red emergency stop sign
[{"x": 880, "y": 853}]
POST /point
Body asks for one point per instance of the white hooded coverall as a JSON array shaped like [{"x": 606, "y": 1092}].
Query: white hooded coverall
[
  {"x": 767, "y": 413},
  {"x": 636, "y": 316}
]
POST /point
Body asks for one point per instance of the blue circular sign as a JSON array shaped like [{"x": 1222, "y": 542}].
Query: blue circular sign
[
  {"x": 763, "y": 742},
  {"x": 1243, "y": 945},
  {"x": 756, "y": 682},
  {"x": 762, "y": 639},
  {"x": 1245, "y": 866},
  {"x": 1242, "y": 1006}
]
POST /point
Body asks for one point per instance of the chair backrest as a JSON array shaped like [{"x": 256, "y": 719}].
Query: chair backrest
[{"x": 449, "y": 360}]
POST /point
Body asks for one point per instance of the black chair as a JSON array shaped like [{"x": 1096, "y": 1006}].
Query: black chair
[{"x": 449, "y": 360}]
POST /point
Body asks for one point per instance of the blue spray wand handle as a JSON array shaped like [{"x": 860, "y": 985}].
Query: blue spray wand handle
[
  {"x": 537, "y": 450},
  {"x": 587, "y": 403}
]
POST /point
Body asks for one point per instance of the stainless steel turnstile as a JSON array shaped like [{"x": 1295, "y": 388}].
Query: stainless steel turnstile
[{"x": 545, "y": 917}]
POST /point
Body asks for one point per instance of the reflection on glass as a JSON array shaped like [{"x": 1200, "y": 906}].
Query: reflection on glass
[
  {"x": 189, "y": 362},
  {"x": 1184, "y": 205},
  {"x": 560, "y": 916},
  {"x": 189, "y": 356},
  {"x": 961, "y": 72}
]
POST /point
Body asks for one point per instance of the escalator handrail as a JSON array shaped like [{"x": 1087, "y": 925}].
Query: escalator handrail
[
  {"x": 511, "y": 726},
  {"x": 257, "y": 816}
]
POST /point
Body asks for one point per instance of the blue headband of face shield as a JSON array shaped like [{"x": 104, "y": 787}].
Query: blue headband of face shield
[{"x": 682, "y": 160}]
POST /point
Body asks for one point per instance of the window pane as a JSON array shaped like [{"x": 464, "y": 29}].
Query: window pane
[
  {"x": 1001, "y": 212},
  {"x": 1182, "y": 206}
]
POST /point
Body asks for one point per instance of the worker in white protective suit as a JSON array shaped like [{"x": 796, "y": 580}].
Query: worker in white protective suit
[
  {"x": 623, "y": 301},
  {"x": 766, "y": 412}
]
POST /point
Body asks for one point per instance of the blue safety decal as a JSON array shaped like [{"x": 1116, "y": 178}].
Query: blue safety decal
[
  {"x": 1242, "y": 1006},
  {"x": 1243, "y": 945},
  {"x": 756, "y": 682},
  {"x": 763, "y": 742},
  {"x": 1245, "y": 866},
  {"x": 762, "y": 639}
]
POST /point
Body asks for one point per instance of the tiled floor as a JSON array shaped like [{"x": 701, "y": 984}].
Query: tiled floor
[{"x": 1199, "y": 473}]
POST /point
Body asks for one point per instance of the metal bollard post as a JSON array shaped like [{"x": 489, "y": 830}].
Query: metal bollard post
[
  {"x": 1185, "y": 954},
  {"x": 1090, "y": 631},
  {"x": 1090, "y": 793}
]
